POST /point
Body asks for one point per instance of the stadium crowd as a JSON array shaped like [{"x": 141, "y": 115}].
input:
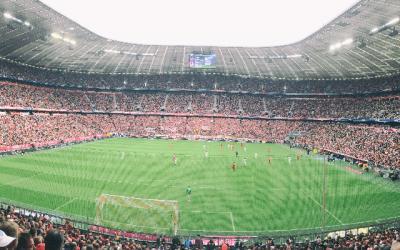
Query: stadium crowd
[
  {"x": 31, "y": 97},
  {"x": 38, "y": 232},
  {"x": 376, "y": 144},
  {"x": 41, "y": 233},
  {"x": 193, "y": 81},
  {"x": 20, "y": 129}
]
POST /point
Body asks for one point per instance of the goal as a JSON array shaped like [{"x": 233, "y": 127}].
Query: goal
[{"x": 139, "y": 214}]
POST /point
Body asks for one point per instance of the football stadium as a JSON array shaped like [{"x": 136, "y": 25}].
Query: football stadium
[{"x": 111, "y": 144}]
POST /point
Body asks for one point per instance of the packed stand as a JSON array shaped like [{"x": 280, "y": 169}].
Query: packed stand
[
  {"x": 22, "y": 128},
  {"x": 193, "y": 81},
  {"x": 14, "y": 95},
  {"x": 376, "y": 144},
  {"x": 39, "y": 232}
]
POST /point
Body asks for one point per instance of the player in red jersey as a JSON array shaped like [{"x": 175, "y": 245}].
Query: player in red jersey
[{"x": 233, "y": 166}]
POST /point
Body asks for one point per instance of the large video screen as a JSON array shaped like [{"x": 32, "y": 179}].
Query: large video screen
[{"x": 201, "y": 61}]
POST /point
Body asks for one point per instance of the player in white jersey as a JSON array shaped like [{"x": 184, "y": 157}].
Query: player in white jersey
[{"x": 174, "y": 159}]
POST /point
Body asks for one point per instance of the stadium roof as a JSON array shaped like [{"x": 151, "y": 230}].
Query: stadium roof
[{"x": 363, "y": 42}]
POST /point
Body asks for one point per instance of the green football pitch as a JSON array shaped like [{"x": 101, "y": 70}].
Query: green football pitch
[{"x": 258, "y": 198}]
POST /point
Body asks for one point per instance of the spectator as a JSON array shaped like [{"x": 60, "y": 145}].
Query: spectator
[
  {"x": 198, "y": 242},
  {"x": 395, "y": 245},
  {"x": 188, "y": 243},
  {"x": 224, "y": 246},
  {"x": 25, "y": 241},
  {"x": 211, "y": 245},
  {"x": 39, "y": 245},
  {"x": 10, "y": 228},
  {"x": 54, "y": 240},
  {"x": 7, "y": 242}
]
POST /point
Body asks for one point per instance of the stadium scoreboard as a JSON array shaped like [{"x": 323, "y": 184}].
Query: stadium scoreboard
[{"x": 202, "y": 61}]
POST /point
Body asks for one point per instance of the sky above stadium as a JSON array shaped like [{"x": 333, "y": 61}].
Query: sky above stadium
[{"x": 205, "y": 22}]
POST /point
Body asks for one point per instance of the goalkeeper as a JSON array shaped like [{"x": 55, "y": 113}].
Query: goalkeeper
[{"x": 188, "y": 192}]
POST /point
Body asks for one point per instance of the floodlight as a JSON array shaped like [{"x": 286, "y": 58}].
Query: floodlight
[
  {"x": 389, "y": 24},
  {"x": 56, "y": 35},
  {"x": 112, "y": 51},
  {"x": 393, "y": 21},
  {"x": 374, "y": 30},
  {"x": 335, "y": 46},
  {"x": 7, "y": 15},
  {"x": 294, "y": 56},
  {"x": 347, "y": 41}
]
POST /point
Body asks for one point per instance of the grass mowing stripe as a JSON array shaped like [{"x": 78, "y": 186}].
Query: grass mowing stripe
[{"x": 19, "y": 180}]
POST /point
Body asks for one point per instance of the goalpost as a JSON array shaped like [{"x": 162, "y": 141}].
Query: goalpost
[{"x": 137, "y": 212}]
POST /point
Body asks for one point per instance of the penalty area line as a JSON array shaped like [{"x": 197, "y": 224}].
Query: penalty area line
[
  {"x": 66, "y": 203},
  {"x": 133, "y": 225},
  {"x": 326, "y": 210}
]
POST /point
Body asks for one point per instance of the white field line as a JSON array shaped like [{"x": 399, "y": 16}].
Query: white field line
[
  {"x": 66, "y": 203},
  {"x": 141, "y": 226},
  {"x": 326, "y": 210},
  {"x": 233, "y": 224},
  {"x": 137, "y": 198},
  {"x": 207, "y": 212}
]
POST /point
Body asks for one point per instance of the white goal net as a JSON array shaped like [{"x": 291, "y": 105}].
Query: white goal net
[{"x": 138, "y": 214}]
